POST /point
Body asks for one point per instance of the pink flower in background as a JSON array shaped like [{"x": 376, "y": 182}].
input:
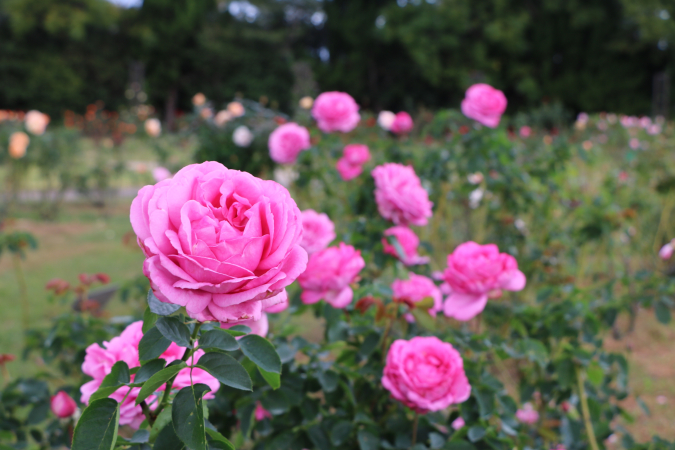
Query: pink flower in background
[
  {"x": 261, "y": 413},
  {"x": 403, "y": 123},
  {"x": 484, "y": 104},
  {"x": 400, "y": 196},
  {"x": 99, "y": 360},
  {"x": 353, "y": 158},
  {"x": 63, "y": 405},
  {"x": 386, "y": 119},
  {"x": 329, "y": 274},
  {"x": 318, "y": 231},
  {"x": 336, "y": 111},
  {"x": 645, "y": 122},
  {"x": 18, "y": 143},
  {"x": 457, "y": 423},
  {"x": 161, "y": 174},
  {"x": 287, "y": 141},
  {"x": 222, "y": 243},
  {"x": 260, "y": 327},
  {"x": 409, "y": 243},
  {"x": 36, "y": 122},
  {"x": 634, "y": 143},
  {"x": 476, "y": 272},
  {"x": 527, "y": 414},
  {"x": 425, "y": 374},
  {"x": 666, "y": 251},
  {"x": 415, "y": 289},
  {"x": 525, "y": 132},
  {"x": 654, "y": 129},
  {"x": 153, "y": 127}
]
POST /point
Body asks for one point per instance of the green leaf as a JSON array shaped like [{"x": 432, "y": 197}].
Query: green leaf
[
  {"x": 595, "y": 373},
  {"x": 160, "y": 308},
  {"x": 476, "y": 433},
  {"x": 188, "y": 416},
  {"x": 149, "y": 319},
  {"x": 393, "y": 241},
  {"x": 152, "y": 345},
  {"x": 329, "y": 380},
  {"x": 158, "y": 379},
  {"x": 167, "y": 439},
  {"x": 238, "y": 332},
  {"x": 318, "y": 437},
  {"x": 273, "y": 379},
  {"x": 662, "y": 312},
  {"x": 370, "y": 343},
  {"x": 261, "y": 352},
  {"x": 161, "y": 421},
  {"x": 97, "y": 427},
  {"x": 149, "y": 369},
  {"x": 340, "y": 432},
  {"x": 227, "y": 370},
  {"x": 367, "y": 440},
  {"x": 118, "y": 376},
  {"x": 218, "y": 339},
  {"x": 213, "y": 434},
  {"x": 424, "y": 319},
  {"x": 486, "y": 402},
  {"x": 174, "y": 330}
]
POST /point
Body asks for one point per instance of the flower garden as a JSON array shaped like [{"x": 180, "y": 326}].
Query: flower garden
[{"x": 339, "y": 279}]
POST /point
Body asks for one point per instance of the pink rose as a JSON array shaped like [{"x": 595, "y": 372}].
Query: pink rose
[
  {"x": 160, "y": 174},
  {"x": 279, "y": 307},
  {"x": 416, "y": 289},
  {"x": 351, "y": 164},
  {"x": 63, "y": 405},
  {"x": 259, "y": 327},
  {"x": 484, "y": 104},
  {"x": 318, "y": 231},
  {"x": 329, "y": 274},
  {"x": 525, "y": 132},
  {"x": 666, "y": 251},
  {"x": 476, "y": 272},
  {"x": 287, "y": 141},
  {"x": 409, "y": 243},
  {"x": 402, "y": 123},
  {"x": 527, "y": 414},
  {"x": 222, "y": 243},
  {"x": 425, "y": 374},
  {"x": 458, "y": 423},
  {"x": 336, "y": 111},
  {"x": 400, "y": 196},
  {"x": 261, "y": 413}
]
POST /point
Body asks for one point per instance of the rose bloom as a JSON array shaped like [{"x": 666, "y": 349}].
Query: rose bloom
[
  {"x": 409, "y": 243},
  {"x": 403, "y": 123},
  {"x": 222, "y": 118},
  {"x": 348, "y": 171},
  {"x": 400, "y": 196},
  {"x": 386, "y": 119},
  {"x": 153, "y": 127},
  {"x": 484, "y": 104},
  {"x": 666, "y": 251},
  {"x": 287, "y": 141},
  {"x": 63, "y": 406},
  {"x": 99, "y": 360},
  {"x": 527, "y": 414},
  {"x": 416, "y": 289},
  {"x": 36, "y": 122},
  {"x": 199, "y": 99},
  {"x": 318, "y": 231},
  {"x": 354, "y": 156},
  {"x": 329, "y": 274},
  {"x": 222, "y": 243},
  {"x": 306, "y": 102},
  {"x": 425, "y": 374},
  {"x": 458, "y": 423},
  {"x": 476, "y": 272},
  {"x": 18, "y": 143},
  {"x": 525, "y": 131},
  {"x": 242, "y": 136},
  {"x": 261, "y": 413},
  {"x": 336, "y": 111},
  {"x": 161, "y": 174},
  {"x": 236, "y": 109}
]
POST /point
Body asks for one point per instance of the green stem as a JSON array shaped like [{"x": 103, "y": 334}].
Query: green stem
[
  {"x": 414, "y": 430},
  {"x": 586, "y": 411},
  {"x": 169, "y": 384},
  {"x": 23, "y": 292}
]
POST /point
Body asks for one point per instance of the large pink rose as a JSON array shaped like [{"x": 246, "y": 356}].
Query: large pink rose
[
  {"x": 352, "y": 161},
  {"x": 318, "y": 231},
  {"x": 403, "y": 123},
  {"x": 415, "y": 289},
  {"x": 222, "y": 243},
  {"x": 484, "y": 104},
  {"x": 400, "y": 196},
  {"x": 409, "y": 243},
  {"x": 329, "y": 274},
  {"x": 425, "y": 374},
  {"x": 287, "y": 141},
  {"x": 99, "y": 360},
  {"x": 336, "y": 111},
  {"x": 476, "y": 272}
]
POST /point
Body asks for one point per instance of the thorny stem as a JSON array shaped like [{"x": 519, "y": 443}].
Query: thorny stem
[
  {"x": 414, "y": 430},
  {"x": 169, "y": 384},
  {"x": 586, "y": 411}
]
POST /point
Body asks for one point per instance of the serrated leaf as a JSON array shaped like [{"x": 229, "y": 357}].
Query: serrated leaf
[
  {"x": 149, "y": 369},
  {"x": 188, "y": 416},
  {"x": 158, "y": 379},
  {"x": 174, "y": 330},
  {"x": 160, "y": 308},
  {"x": 273, "y": 379},
  {"x": 152, "y": 345},
  {"x": 97, "y": 427},
  {"x": 218, "y": 339},
  {"x": 227, "y": 370},
  {"x": 261, "y": 352}
]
